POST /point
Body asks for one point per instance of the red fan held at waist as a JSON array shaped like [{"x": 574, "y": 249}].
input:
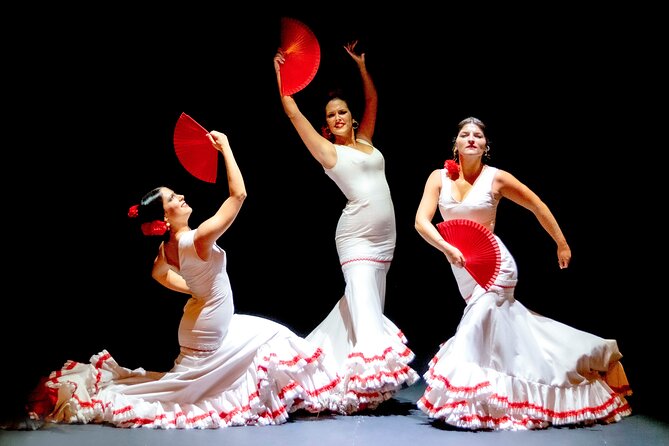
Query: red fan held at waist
[
  {"x": 194, "y": 149},
  {"x": 478, "y": 245},
  {"x": 302, "y": 55}
]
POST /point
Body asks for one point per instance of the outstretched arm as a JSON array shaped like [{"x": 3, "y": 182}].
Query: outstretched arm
[
  {"x": 510, "y": 187},
  {"x": 368, "y": 123},
  {"x": 425, "y": 215},
  {"x": 212, "y": 228},
  {"x": 320, "y": 148}
]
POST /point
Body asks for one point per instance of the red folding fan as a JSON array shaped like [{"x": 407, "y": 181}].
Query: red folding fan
[
  {"x": 478, "y": 245},
  {"x": 302, "y": 55},
  {"x": 194, "y": 149}
]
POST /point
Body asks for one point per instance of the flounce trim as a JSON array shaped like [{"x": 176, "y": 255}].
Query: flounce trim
[
  {"x": 372, "y": 376},
  {"x": 273, "y": 386},
  {"x": 471, "y": 397}
]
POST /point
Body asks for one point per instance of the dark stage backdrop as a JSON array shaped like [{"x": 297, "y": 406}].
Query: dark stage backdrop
[{"x": 563, "y": 105}]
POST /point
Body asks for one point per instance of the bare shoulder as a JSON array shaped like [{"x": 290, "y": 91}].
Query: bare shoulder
[{"x": 364, "y": 140}]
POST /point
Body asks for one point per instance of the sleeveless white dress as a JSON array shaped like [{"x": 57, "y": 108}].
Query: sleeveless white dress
[
  {"x": 232, "y": 369},
  {"x": 368, "y": 347},
  {"x": 507, "y": 367}
]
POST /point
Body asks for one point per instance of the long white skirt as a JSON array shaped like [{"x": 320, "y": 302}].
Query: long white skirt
[{"x": 508, "y": 368}]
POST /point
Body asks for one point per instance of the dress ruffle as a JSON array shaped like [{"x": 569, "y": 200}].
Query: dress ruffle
[
  {"x": 286, "y": 375},
  {"x": 472, "y": 397},
  {"x": 371, "y": 375}
]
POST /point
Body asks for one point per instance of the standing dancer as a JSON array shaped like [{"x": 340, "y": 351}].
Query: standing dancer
[{"x": 369, "y": 348}]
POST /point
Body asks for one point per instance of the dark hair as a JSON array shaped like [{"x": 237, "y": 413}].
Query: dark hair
[
  {"x": 149, "y": 211},
  {"x": 472, "y": 120},
  {"x": 151, "y": 206}
]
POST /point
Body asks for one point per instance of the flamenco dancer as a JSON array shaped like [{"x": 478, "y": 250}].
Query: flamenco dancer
[
  {"x": 232, "y": 370},
  {"x": 369, "y": 349},
  {"x": 506, "y": 367}
]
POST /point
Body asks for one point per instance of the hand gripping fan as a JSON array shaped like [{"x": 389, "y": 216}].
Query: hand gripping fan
[
  {"x": 478, "y": 245},
  {"x": 194, "y": 149},
  {"x": 302, "y": 55}
]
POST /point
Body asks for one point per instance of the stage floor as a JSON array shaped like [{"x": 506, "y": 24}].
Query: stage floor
[{"x": 398, "y": 422}]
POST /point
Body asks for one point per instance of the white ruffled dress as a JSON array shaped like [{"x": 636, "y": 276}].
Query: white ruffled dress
[
  {"x": 370, "y": 350},
  {"x": 232, "y": 369},
  {"x": 507, "y": 367}
]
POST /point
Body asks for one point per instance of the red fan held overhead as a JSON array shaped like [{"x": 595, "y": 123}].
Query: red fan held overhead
[
  {"x": 302, "y": 55},
  {"x": 194, "y": 149},
  {"x": 478, "y": 245}
]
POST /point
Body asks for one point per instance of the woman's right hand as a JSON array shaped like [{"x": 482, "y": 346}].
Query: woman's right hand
[
  {"x": 219, "y": 140},
  {"x": 454, "y": 256}
]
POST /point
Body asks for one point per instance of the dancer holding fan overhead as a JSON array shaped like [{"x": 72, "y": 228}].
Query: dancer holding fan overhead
[
  {"x": 506, "y": 367},
  {"x": 369, "y": 348},
  {"x": 232, "y": 369}
]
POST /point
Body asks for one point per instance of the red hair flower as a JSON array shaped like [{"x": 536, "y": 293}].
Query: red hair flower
[
  {"x": 155, "y": 227},
  {"x": 453, "y": 169},
  {"x": 133, "y": 212}
]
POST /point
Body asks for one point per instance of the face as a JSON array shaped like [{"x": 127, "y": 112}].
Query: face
[
  {"x": 175, "y": 206},
  {"x": 471, "y": 141},
  {"x": 338, "y": 117}
]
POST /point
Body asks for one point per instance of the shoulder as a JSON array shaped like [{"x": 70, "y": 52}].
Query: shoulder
[
  {"x": 364, "y": 140},
  {"x": 436, "y": 177},
  {"x": 501, "y": 175}
]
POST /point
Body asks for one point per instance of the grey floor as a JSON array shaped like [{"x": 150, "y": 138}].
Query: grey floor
[{"x": 396, "y": 422}]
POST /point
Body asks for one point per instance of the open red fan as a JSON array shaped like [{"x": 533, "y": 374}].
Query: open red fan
[
  {"x": 478, "y": 245},
  {"x": 302, "y": 55},
  {"x": 194, "y": 149}
]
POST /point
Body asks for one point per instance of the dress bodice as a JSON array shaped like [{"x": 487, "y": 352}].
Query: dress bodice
[
  {"x": 208, "y": 312},
  {"x": 479, "y": 204}
]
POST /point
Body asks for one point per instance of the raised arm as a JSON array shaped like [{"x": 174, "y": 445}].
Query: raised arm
[
  {"x": 212, "y": 228},
  {"x": 320, "y": 148},
  {"x": 425, "y": 215},
  {"x": 510, "y": 187},
  {"x": 367, "y": 124}
]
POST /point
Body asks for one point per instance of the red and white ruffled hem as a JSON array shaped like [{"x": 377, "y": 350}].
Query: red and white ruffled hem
[
  {"x": 471, "y": 397},
  {"x": 371, "y": 376},
  {"x": 273, "y": 386}
]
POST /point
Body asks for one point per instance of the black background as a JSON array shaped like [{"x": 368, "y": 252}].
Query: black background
[{"x": 563, "y": 91}]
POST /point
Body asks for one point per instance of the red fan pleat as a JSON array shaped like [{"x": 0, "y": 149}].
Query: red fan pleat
[
  {"x": 302, "y": 55},
  {"x": 478, "y": 245},
  {"x": 194, "y": 150}
]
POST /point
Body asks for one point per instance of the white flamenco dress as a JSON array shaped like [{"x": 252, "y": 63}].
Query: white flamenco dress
[
  {"x": 232, "y": 369},
  {"x": 370, "y": 350},
  {"x": 508, "y": 368}
]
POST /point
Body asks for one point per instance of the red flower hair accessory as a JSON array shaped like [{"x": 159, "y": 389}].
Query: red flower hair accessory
[
  {"x": 453, "y": 169},
  {"x": 133, "y": 212},
  {"x": 155, "y": 227}
]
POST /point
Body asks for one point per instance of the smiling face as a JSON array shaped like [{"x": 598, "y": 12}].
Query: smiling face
[
  {"x": 176, "y": 209},
  {"x": 338, "y": 117},
  {"x": 471, "y": 141}
]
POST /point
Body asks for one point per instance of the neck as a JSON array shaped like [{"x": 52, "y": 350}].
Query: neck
[
  {"x": 471, "y": 168},
  {"x": 345, "y": 140}
]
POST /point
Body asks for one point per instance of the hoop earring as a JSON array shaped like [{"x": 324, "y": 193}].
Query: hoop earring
[
  {"x": 325, "y": 131},
  {"x": 355, "y": 125}
]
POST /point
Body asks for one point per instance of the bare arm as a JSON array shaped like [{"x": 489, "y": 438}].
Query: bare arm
[
  {"x": 510, "y": 187},
  {"x": 211, "y": 229},
  {"x": 166, "y": 276},
  {"x": 368, "y": 122},
  {"x": 425, "y": 214},
  {"x": 320, "y": 148}
]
